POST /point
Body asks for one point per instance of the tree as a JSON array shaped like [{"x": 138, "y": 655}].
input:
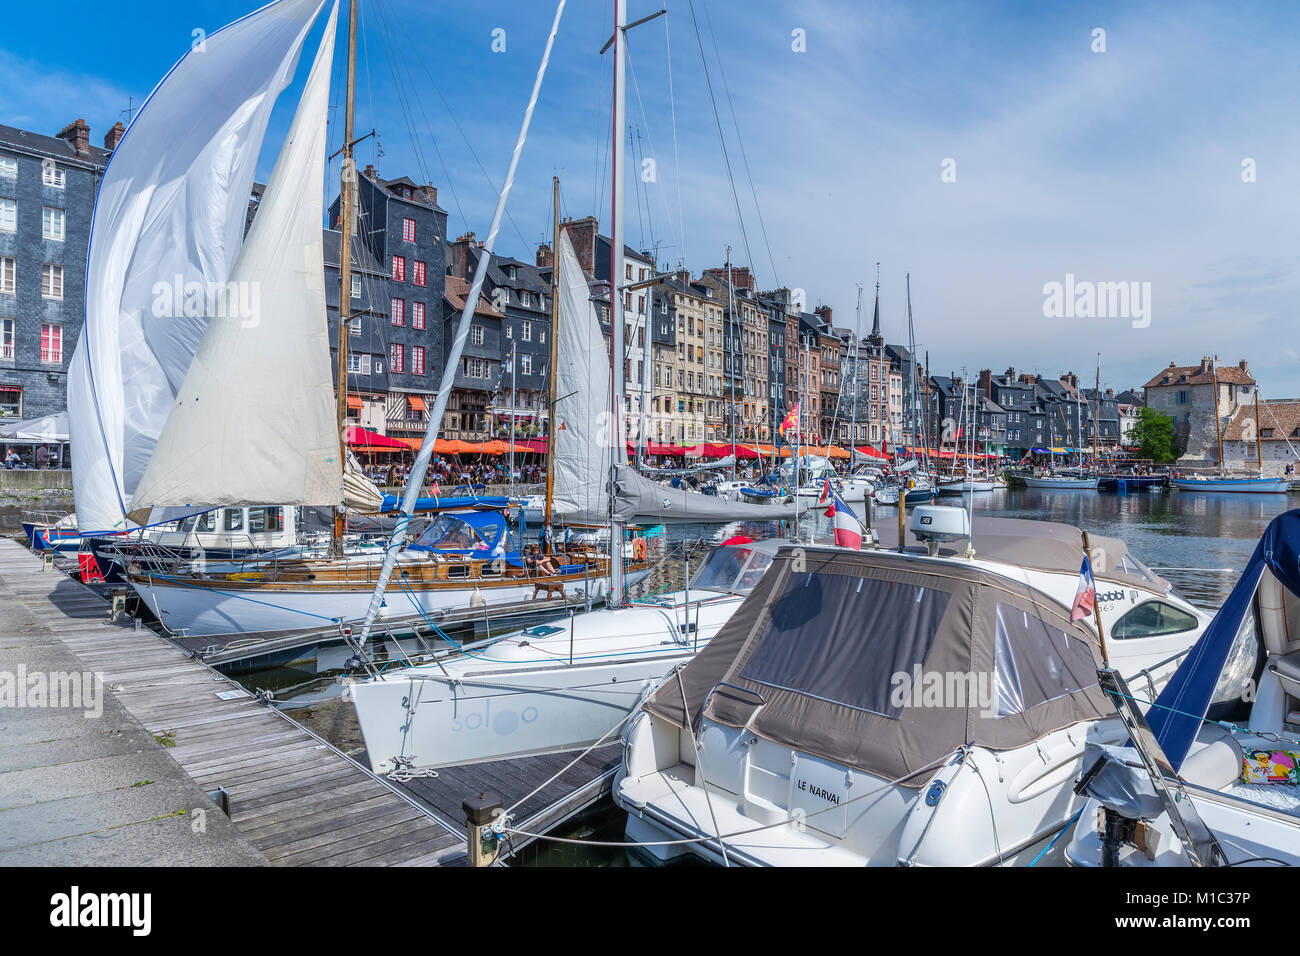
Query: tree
[{"x": 1153, "y": 433}]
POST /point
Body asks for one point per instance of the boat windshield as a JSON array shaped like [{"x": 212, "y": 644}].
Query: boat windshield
[
  {"x": 733, "y": 569},
  {"x": 452, "y": 533}
]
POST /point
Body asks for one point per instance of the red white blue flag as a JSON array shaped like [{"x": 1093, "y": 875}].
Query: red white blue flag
[
  {"x": 848, "y": 530},
  {"x": 1085, "y": 598},
  {"x": 826, "y": 493}
]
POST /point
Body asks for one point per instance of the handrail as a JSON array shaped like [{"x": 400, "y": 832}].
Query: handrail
[{"x": 722, "y": 683}]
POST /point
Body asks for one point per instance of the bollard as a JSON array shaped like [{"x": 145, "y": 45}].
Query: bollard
[
  {"x": 483, "y": 841},
  {"x": 902, "y": 519},
  {"x": 118, "y": 605}
]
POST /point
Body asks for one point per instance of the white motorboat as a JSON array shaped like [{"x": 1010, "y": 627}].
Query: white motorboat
[
  {"x": 838, "y": 719},
  {"x": 1223, "y": 737},
  {"x": 554, "y": 686}
]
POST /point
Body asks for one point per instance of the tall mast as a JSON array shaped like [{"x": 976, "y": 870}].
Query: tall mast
[
  {"x": 1096, "y": 417},
  {"x": 514, "y": 359},
  {"x": 555, "y": 331},
  {"x": 1218, "y": 430},
  {"x": 618, "y": 431},
  {"x": 1259, "y": 435},
  {"x": 347, "y": 200},
  {"x": 731, "y": 356}
]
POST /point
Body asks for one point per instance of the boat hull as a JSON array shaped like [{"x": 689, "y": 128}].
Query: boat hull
[
  {"x": 1131, "y": 483},
  {"x": 207, "y": 608},
  {"x": 1252, "y": 486},
  {"x": 1062, "y": 484}
]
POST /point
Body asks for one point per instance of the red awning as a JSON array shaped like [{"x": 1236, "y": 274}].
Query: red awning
[
  {"x": 871, "y": 452},
  {"x": 356, "y": 435}
]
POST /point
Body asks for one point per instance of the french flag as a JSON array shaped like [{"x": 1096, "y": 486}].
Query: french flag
[
  {"x": 1085, "y": 598},
  {"x": 848, "y": 530}
]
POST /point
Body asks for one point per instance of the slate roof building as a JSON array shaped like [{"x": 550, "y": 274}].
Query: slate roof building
[{"x": 48, "y": 186}]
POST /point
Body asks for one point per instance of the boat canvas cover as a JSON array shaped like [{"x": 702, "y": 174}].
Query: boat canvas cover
[
  {"x": 832, "y": 640},
  {"x": 1175, "y": 717},
  {"x": 1042, "y": 546},
  {"x": 638, "y": 498}
]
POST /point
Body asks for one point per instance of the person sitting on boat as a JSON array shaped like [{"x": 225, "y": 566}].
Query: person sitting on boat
[{"x": 538, "y": 563}]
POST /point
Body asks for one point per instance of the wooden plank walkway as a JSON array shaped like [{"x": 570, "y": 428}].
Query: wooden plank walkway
[{"x": 293, "y": 797}]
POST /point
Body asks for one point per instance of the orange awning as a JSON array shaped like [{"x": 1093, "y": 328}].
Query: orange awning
[
  {"x": 354, "y": 403},
  {"x": 416, "y": 403}
]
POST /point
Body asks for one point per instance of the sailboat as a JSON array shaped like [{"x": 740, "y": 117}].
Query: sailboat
[
  {"x": 255, "y": 415},
  {"x": 562, "y": 686},
  {"x": 1256, "y": 484}
]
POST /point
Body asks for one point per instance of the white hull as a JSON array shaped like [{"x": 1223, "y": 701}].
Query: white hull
[
  {"x": 211, "y": 609},
  {"x": 521, "y": 695},
  {"x": 961, "y": 487}
]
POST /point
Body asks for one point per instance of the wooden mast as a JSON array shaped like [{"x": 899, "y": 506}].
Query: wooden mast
[
  {"x": 1096, "y": 417},
  {"x": 347, "y": 198},
  {"x": 1218, "y": 430},
  {"x": 555, "y": 334},
  {"x": 1259, "y": 436}
]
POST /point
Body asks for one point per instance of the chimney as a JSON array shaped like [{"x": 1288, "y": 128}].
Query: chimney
[
  {"x": 77, "y": 135},
  {"x": 1243, "y": 366},
  {"x": 458, "y": 255},
  {"x": 823, "y": 312},
  {"x": 986, "y": 381},
  {"x": 582, "y": 233},
  {"x": 1011, "y": 375},
  {"x": 545, "y": 257},
  {"x": 431, "y": 192},
  {"x": 369, "y": 171},
  {"x": 1027, "y": 379},
  {"x": 114, "y": 136}
]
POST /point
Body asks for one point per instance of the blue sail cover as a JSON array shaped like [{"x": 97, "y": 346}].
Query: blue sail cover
[
  {"x": 392, "y": 503},
  {"x": 1177, "y": 713}
]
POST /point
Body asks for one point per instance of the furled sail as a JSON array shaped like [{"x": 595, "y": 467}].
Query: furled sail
[
  {"x": 580, "y": 429},
  {"x": 254, "y": 419},
  {"x": 359, "y": 492},
  {"x": 637, "y": 498},
  {"x": 168, "y": 223}
]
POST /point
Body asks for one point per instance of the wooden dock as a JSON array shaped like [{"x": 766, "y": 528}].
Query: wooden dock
[{"x": 292, "y": 796}]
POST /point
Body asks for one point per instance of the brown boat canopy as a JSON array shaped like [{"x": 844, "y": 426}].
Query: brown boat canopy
[{"x": 887, "y": 662}]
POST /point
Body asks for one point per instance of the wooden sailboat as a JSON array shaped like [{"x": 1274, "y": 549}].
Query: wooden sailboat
[{"x": 461, "y": 559}]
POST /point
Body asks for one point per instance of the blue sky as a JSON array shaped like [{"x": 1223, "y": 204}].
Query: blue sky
[{"x": 1115, "y": 166}]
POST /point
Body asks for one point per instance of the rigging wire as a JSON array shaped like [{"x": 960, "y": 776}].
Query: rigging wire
[
  {"x": 423, "y": 61},
  {"x": 717, "y": 122},
  {"x": 740, "y": 142}
]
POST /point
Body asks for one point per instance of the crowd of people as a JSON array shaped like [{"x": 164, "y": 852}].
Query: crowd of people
[{"x": 455, "y": 472}]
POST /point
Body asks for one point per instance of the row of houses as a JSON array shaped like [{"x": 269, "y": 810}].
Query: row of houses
[{"x": 709, "y": 357}]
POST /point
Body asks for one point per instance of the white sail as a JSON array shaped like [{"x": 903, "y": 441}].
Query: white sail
[
  {"x": 254, "y": 420},
  {"x": 168, "y": 223},
  {"x": 580, "y": 428}
]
